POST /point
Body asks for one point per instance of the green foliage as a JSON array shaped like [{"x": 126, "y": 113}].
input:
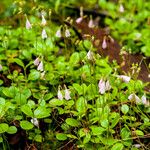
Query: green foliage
[{"x": 59, "y": 101}]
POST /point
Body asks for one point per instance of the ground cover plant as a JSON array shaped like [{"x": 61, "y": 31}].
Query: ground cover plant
[{"x": 57, "y": 91}]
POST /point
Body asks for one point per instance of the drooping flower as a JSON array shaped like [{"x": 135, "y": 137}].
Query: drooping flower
[
  {"x": 43, "y": 22},
  {"x": 144, "y": 100},
  {"x": 91, "y": 24},
  {"x": 79, "y": 20},
  {"x": 59, "y": 95},
  {"x": 36, "y": 61},
  {"x": 28, "y": 24},
  {"x": 40, "y": 66},
  {"x": 134, "y": 97},
  {"x": 124, "y": 78},
  {"x": 67, "y": 94},
  {"x": 1, "y": 67},
  {"x": 67, "y": 33},
  {"x": 44, "y": 34},
  {"x": 107, "y": 86},
  {"x": 35, "y": 122},
  {"x": 121, "y": 8},
  {"x": 101, "y": 86},
  {"x": 104, "y": 43},
  {"x": 58, "y": 33},
  {"x": 90, "y": 55}
]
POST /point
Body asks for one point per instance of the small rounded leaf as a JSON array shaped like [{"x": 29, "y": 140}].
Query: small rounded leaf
[
  {"x": 26, "y": 125},
  {"x": 61, "y": 136}
]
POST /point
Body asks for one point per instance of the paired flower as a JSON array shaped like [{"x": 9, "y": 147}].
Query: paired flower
[
  {"x": 28, "y": 24},
  {"x": 124, "y": 78},
  {"x": 66, "y": 96},
  {"x": 103, "y": 86},
  {"x": 143, "y": 100}
]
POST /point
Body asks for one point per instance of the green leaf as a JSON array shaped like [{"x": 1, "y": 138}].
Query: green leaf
[
  {"x": 56, "y": 102},
  {"x": 12, "y": 130},
  {"x": 3, "y": 127},
  {"x": 26, "y": 125},
  {"x": 72, "y": 122},
  {"x": 11, "y": 91},
  {"x": 38, "y": 138},
  {"x": 2, "y": 101},
  {"x": 125, "y": 133},
  {"x": 139, "y": 133},
  {"x": 19, "y": 62},
  {"x": 97, "y": 130},
  {"x": 78, "y": 88},
  {"x": 34, "y": 75},
  {"x": 20, "y": 99},
  {"x": 81, "y": 132},
  {"x": 1, "y": 139},
  {"x": 48, "y": 96},
  {"x": 104, "y": 123},
  {"x": 81, "y": 105},
  {"x": 87, "y": 138},
  {"x": 74, "y": 59},
  {"x": 61, "y": 136},
  {"x": 27, "y": 110},
  {"x": 115, "y": 120},
  {"x": 117, "y": 146},
  {"x": 41, "y": 112},
  {"x": 124, "y": 108}
]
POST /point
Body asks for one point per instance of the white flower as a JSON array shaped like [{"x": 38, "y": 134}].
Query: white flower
[
  {"x": 36, "y": 61},
  {"x": 1, "y": 67},
  {"x": 58, "y": 33},
  {"x": 67, "y": 94},
  {"x": 35, "y": 122},
  {"x": 91, "y": 24},
  {"x": 43, "y": 23},
  {"x": 104, "y": 44},
  {"x": 137, "y": 145},
  {"x": 40, "y": 66},
  {"x": 124, "y": 78},
  {"x": 28, "y": 24},
  {"x": 121, "y": 8},
  {"x": 101, "y": 86},
  {"x": 144, "y": 100},
  {"x": 90, "y": 55},
  {"x": 67, "y": 33},
  {"x": 79, "y": 20},
  {"x": 59, "y": 95},
  {"x": 44, "y": 34},
  {"x": 107, "y": 86},
  {"x": 134, "y": 97}
]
